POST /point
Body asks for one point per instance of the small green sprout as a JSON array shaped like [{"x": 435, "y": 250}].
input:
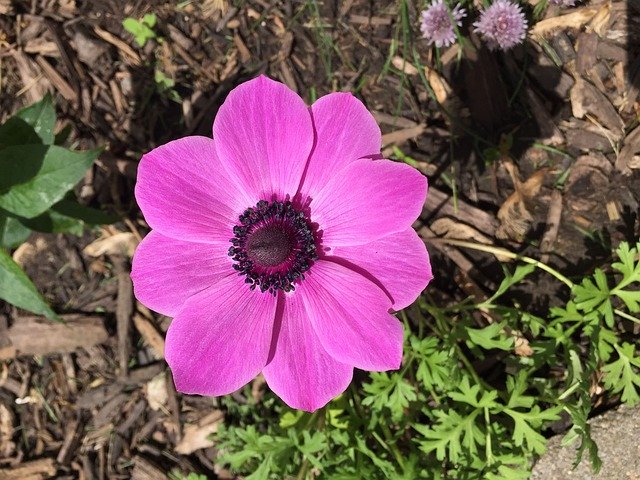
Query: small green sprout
[{"x": 142, "y": 30}]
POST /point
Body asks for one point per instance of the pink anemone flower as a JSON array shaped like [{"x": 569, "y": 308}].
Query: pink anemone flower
[{"x": 280, "y": 246}]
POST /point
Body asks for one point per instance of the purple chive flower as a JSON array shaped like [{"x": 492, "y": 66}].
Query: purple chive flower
[
  {"x": 502, "y": 25},
  {"x": 280, "y": 246},
  {"x": 437, "y": 23}
]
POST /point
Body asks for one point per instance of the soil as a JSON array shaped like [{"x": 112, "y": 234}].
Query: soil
[{"x": 536, "y": 150}]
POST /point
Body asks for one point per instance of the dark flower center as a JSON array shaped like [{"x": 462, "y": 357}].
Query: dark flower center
[
  {"x": 273, "y": 245},
  {"x": 270, "y": 246}
]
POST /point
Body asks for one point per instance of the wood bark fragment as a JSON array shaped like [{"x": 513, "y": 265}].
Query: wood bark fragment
[
  {"x": 39, "y": 336},
  {"x": 145, "y": 470},
  {"x": 33, "y": 470},
  {"x": 442, "y": 204},
  {"x": 58, "y": 82},
  {"x": 150, "y": 334},
  {"x": 71, "y": 442},
  {"x": 553, "y": 225},
  {"x": 128, "y": 52},
  {"x": 124, "y": 311}
]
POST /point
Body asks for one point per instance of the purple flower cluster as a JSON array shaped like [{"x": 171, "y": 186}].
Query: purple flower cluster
[
  {"x": 438, "y": 23},
  {"x": 502, "y": 25}
]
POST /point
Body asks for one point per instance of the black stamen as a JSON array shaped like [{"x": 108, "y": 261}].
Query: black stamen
[{"x": 272, "y": 246}]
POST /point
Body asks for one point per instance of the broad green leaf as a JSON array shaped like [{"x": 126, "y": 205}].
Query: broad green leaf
[
  {"x": 42, "y": 117},
  {"x": 17, "y": 289},
  {"x": 92, "y": 216},
  {"x": 16, "y": 131},
  {"x": 53, "y": 222},
  {"x": 12, "y": 232},
  {"x": 67, "y": 216},
  {"x": 31, "y": 125},
  {"x": 34, "y": 177}
]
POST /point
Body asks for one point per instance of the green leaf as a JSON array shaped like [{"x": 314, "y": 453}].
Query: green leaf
[
  {"x": 53, "y": 222},
  {"x": 34, "y": 177},
  {"x": 629, "y": 265},
  {"x": 385, "y": 467},
  {"x": 435, "y": 365},
  {"x": 12, "y": 232},
  {"x": 490, "y": 337},
  {"x": 620, "y": 376},
  {"x": 17, "y": 289},
  {"x": 42, "y": 117},
  {"x": 631, "y": 299},
  {"x": 582, "y": 430},
  {"x": 473, "y": 396},
  {"x": 510, "y": 280},
  {"x": 31, "y": 125},
  {"x": 149, "y": 19},
  {"x": 527, "y": 425},
  {"x": 92, "y": 216},
  {"x": 140, "y": 29},
  {"x": 67, "y": 216},
  {"x": 453, "y": 436},
  {"x": 391, "y": 391},
  {"x": 16, "y": 131}
]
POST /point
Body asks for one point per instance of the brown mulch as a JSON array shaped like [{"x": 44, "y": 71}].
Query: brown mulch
[{"x": 97, "y": 401}]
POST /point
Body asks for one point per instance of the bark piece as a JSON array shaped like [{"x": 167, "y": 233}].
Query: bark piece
[
  {"x": 441, "y": 203},
  {"x": 145, "y": 470},
  {"x": 587, "y": 99},
  {"x": 34, "y": 470},
  {"x": 150, "y": 334},
  {"x": 39, "y": 336},
  {"x": 630, "y": 147}
]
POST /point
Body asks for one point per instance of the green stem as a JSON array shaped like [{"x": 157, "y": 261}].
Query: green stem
[
  {"x": 392, "y": 444},
  {"x": 315, "y": 419},
  {"x": 506, "y": 253},
  {"x": 627, "y": 316}
]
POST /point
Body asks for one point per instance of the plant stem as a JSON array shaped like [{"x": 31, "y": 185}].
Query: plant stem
[{"x": 506, "y": 253}]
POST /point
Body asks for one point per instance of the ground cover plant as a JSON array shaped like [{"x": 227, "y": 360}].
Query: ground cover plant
[
  {"x": 37, "y": 176},
  {"x": 523, "y": 116}
]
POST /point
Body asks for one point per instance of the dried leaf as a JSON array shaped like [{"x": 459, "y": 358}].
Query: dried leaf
[
  {"x": 156, "y": 389},
  {"x": 521, "y": 345},
  {"x": 601, "y": 21},
  {"x": 451, "y": 228},
  {"x": 197, "y": 436},
  {"x": 515, "y": 218},
  {"x": 404, "y": 66},
  {"x": 439, "y": 85},
  {"x": 400, "y": 136},
  {"x": 576, "y": 19},
  {"x": 123, "y": 243}
]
